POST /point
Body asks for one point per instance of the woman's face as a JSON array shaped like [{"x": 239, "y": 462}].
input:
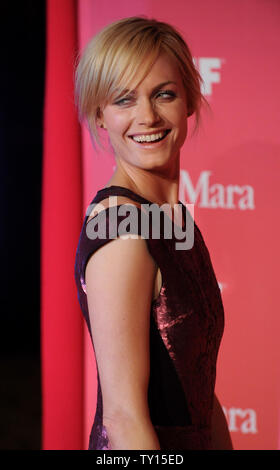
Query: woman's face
[{"x": 149, "y": 126}]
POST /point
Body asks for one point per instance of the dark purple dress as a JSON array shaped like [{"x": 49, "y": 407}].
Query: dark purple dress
[{"x": 186, "y": 327}]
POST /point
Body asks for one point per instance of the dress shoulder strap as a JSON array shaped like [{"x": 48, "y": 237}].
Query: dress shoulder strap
[{"x": 119, "y": 191}]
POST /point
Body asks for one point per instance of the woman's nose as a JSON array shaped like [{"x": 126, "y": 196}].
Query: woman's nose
[{"x": 146, "y": 113}]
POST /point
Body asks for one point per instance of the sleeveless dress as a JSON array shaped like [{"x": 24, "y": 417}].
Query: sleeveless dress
[{"x": 186, "y": 327}]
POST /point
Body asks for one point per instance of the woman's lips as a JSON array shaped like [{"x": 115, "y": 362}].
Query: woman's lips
[{"x": 145, "y": 139}]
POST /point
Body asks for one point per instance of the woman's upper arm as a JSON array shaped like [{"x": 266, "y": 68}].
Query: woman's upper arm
[{"x": 119, "y": 281}]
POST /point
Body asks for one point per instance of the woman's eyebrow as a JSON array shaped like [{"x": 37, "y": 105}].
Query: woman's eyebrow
[
  {"x": 163, "y": 84},
  {"x": 155, "y": 89}
]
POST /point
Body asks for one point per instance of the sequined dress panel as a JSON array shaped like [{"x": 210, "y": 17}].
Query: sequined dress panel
[{"x": 186, "y": 327}]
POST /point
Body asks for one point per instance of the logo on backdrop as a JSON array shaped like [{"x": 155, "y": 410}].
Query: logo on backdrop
[
  {"x": 214, "y": 196},
  {"x": 244, "y": 421},
  {"x": 209, "y": 69}
]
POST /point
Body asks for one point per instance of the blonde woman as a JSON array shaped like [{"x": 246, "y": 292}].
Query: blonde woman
[{"x": 154, "y": 311}]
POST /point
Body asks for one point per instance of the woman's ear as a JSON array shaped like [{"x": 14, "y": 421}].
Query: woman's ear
[
  {"x": 100, "y": 123},
  {"x": 190, "y": 109},
  {"x": 99, "y": 119}
]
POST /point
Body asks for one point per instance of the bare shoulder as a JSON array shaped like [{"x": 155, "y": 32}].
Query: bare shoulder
[
  {"x": 125, "y": 255},
  {"x": 126, "y": 259}
]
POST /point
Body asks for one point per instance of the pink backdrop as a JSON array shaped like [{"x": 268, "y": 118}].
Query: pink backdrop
[{"x": 230, "y": 171}]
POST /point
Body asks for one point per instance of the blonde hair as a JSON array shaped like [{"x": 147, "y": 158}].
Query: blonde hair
[{"x": 120, "y": 53}]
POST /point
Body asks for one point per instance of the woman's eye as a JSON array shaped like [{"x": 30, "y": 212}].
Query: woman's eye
[
  {"x": 122, "y": 101},
  {"x": 166, "y": 94}
]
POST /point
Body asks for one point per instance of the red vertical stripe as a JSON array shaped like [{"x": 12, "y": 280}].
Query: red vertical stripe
[{"x": 62, "y": 328}]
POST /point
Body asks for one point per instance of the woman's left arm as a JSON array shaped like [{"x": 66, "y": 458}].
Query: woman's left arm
[{"x": 221, "y": 439}]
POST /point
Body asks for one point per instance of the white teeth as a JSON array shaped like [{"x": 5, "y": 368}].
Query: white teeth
[{"x": 148, "y": 138}]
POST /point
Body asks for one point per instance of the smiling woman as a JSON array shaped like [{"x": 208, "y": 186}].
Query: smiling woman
[
  {"x": 155, "y": 314},
  {"x": 148, "y": 127}
]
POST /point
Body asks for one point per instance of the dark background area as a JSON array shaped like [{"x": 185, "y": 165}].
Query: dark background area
[{"x": 23, "y": 41}]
